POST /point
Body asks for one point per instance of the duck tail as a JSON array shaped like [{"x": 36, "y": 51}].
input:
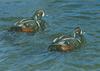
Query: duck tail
[
  {"x": 8, "y": 28},
  {"x": 15, "y": 28}
]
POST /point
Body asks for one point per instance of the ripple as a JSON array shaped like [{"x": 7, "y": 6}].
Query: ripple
[
  {"x": 10, "y": 19},
  {"x": 28, "y": 52},
  {"x": 81, "y": 17},
  {"x": 89, "y": 13}
]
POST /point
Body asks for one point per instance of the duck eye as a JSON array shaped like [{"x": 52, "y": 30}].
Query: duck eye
[
  {"x": 38, "y": 14},
  {"x": 77, "y": 32}
]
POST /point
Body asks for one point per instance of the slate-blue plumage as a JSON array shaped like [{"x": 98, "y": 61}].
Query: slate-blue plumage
[
  {"x": 67, "y": 43},
  {"x": 35, "y": 23}
]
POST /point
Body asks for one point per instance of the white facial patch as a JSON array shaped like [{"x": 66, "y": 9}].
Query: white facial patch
[
  {"x": 43, "y": 14},
  {"x": 81, "y": 32}
]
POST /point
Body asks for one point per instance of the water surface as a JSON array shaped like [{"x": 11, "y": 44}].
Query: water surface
[{"x": 28, "y": 52}]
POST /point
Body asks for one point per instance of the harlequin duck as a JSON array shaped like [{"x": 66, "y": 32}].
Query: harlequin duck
[
  {"x": 66, "y": 43},
  {"x": 34, "y": 24}
]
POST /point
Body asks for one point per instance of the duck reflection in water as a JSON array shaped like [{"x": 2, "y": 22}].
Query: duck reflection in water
[{"x": 66, "y": 43}]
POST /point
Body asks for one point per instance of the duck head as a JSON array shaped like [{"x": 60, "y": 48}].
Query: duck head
[
  {"x": 38, "y": 14},
  {"x": 78, "y": 32}
]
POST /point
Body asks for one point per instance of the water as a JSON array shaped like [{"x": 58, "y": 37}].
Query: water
[{"x": 28, "y": 52}]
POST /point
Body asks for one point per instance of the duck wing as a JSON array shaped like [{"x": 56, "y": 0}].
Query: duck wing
[{"x": 26, "y": 23}]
